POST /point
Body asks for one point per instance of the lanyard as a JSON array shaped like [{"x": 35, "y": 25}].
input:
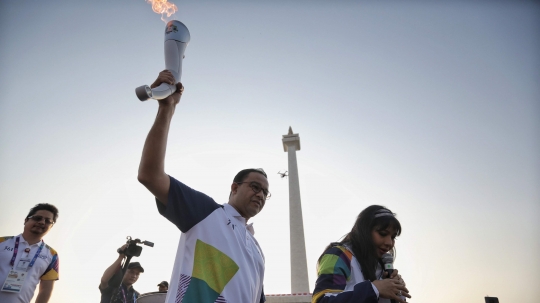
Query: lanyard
[
  {"x": 16, "y": 249},
  {"x": 124, "y": 294}
]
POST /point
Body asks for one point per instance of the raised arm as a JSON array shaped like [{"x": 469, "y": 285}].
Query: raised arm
[
  {"x": 111, "y": 270},
  {"x": 152, "y": 167}
]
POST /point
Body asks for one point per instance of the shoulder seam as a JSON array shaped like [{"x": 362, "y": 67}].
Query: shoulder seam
[
  {"x": 4, "y": 239},
  {"x": 52, "y": 250}
]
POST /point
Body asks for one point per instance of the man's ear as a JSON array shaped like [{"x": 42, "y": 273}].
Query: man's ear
[{"x": 234, "y": 188}]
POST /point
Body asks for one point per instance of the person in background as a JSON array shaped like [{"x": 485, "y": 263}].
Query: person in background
[
  {"x": 116, "y": 287},
  {"x": 163, "y": 286},
  {"x": 25, "y": 260},
  {"x": 352, "y": 270}
]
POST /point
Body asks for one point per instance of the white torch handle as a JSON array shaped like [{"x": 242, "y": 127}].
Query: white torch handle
[{"x": 176, "y": 39}]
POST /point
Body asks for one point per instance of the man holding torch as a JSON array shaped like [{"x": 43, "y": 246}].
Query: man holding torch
[{"x": 218, "y": 258}]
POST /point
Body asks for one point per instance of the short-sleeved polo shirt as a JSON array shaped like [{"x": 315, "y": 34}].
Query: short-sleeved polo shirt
[
  {"x": 218, "y": 258},
  {"x": 46, "y": 267}
]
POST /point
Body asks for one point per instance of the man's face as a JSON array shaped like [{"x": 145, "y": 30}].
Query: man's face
[
  {"x": 163, "y": 288},
  {"x": 244, "y": 198},
  {"x": 131, "y": 276},
  {"x": 37, "y": 224}
]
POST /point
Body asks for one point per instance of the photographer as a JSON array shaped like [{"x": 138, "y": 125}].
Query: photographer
[{"x": 116, "y": 288}]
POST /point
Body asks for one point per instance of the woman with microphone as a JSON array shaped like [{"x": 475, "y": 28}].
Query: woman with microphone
[{"x": 352, "y": 270}]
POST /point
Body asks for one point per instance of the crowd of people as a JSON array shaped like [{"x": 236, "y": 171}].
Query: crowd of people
[{"x": 218, "y": 259}]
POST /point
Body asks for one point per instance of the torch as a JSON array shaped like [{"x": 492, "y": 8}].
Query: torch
[{"x": 176, "y": 40}]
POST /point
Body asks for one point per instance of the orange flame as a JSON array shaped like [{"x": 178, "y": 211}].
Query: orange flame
[{"x": 163, "y": 7}]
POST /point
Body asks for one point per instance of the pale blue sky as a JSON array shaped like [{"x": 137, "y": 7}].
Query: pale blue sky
[{"x": 431, "y": 109}]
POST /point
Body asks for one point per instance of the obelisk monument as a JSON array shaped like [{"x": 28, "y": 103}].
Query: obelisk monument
[{"x": 299, "y": 273}]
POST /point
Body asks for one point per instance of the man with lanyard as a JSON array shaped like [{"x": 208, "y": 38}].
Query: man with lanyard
[
  {"x": 118, "y": 288},
  {"x": 218, "y": 258},
  {"x": 25, "y": 260}
]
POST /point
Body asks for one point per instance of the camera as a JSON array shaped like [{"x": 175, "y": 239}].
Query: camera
[{"x": 133, "y": 249}]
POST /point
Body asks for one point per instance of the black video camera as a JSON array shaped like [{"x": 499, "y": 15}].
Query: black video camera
[{"x": 134, "y": 250}]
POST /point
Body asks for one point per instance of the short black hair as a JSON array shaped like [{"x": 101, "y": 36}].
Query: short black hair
[
  {"x": 242, "y": 175},
  {"x": 44, "y": 206}
]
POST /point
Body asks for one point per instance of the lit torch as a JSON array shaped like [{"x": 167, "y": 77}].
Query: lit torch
[
  {"x": 176, "y": 39},
  {"x": 163, "y": 7}
]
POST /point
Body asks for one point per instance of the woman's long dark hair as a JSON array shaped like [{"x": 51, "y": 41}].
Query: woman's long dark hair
[{"x": 360, "y": 238}]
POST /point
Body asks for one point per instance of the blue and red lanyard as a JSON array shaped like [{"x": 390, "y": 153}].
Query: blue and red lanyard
[
  {"x": 124, "y": 294},
  {"x": 16, "y": 249}
]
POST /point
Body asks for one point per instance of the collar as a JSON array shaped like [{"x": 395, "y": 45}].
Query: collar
[
  {"x": 233, "y": 212},
  {"x": 24, "y": 240}
]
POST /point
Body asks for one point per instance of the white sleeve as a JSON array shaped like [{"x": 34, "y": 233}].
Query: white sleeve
[{"x": 375, "y": 290}]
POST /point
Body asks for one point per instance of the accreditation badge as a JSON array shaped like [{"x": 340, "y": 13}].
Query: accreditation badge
[
  {"x": 14, "y": 281},
  {"x": 23, "y": 265}
]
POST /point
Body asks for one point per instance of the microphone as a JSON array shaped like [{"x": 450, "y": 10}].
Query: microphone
[{"x": 388, "y": 261}]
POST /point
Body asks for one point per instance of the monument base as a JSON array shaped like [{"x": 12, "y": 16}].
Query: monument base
[{"x": 289, "y": 298}]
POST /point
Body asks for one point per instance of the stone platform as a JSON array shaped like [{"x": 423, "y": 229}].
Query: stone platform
[{"x": 289, "y": 298}]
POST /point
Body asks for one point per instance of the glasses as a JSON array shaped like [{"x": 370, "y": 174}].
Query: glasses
[
  {"x": 256, "y": 187},
  {"x": 39, "y": 218}
]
